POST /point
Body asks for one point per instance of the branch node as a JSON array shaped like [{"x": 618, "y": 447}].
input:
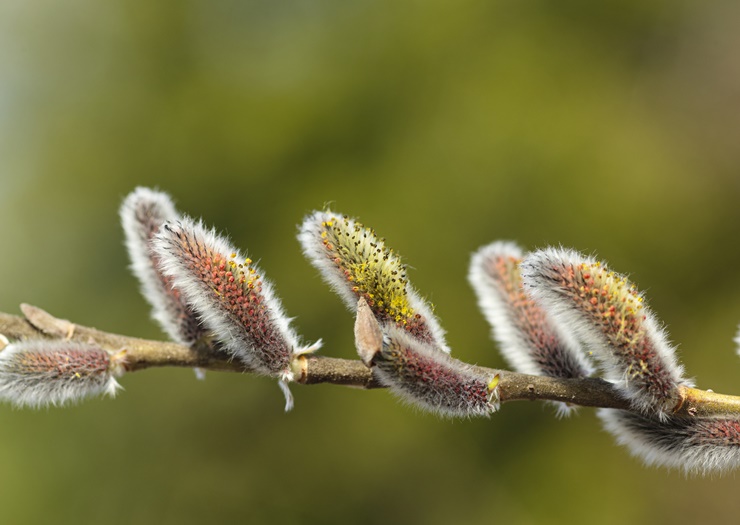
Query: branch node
[
  {"x": 682, "y": 396},
  {"x": 300, "y": 368}
]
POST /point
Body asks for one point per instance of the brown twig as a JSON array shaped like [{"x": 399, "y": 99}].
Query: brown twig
[{"x": 142, "y": 354}]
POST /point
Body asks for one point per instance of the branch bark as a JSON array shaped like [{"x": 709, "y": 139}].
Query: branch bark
[{"x": 142, "y": 354}]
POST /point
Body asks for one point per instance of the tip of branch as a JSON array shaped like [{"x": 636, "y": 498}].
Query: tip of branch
[{"x": 368, "y": 335}]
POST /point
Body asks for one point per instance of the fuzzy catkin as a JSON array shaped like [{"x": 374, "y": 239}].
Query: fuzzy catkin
[
  {"x": 230, "y": 295},
  {"x": 143, "y": 213},
  {"x": 529, "y": 341},
  {"x": 695, "y": 445},
  {"x": 356, "y": 263},
  {"x": 423, "y": 376},
  {"x": 608, "y": 315},
  {"x": 41, "y": 373}
]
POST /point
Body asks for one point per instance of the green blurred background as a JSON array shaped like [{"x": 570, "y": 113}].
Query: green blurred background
[{"x": 610, "y": 127}]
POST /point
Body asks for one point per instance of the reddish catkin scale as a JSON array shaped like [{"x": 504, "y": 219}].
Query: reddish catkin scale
[
  {"x": 608, "y": 315},
  {"x": 41, "y": 373}
]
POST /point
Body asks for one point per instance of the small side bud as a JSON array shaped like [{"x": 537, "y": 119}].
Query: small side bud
[
  {"x": 425, "y": 377},
  {"x": 356, "y": 263},
  {"x": 608, "y": 315},
  {"x": 41, "y": 373},
  {"x": 368, "y": 335},
  {"x": 694, "y": 445},
  {"x": 47, "y": 323}
]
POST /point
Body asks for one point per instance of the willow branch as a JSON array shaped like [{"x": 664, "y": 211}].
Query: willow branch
[{"x": 142, "y": 354}]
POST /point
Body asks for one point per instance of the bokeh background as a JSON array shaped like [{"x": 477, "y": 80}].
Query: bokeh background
[{"x": 611, "y": 127}]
